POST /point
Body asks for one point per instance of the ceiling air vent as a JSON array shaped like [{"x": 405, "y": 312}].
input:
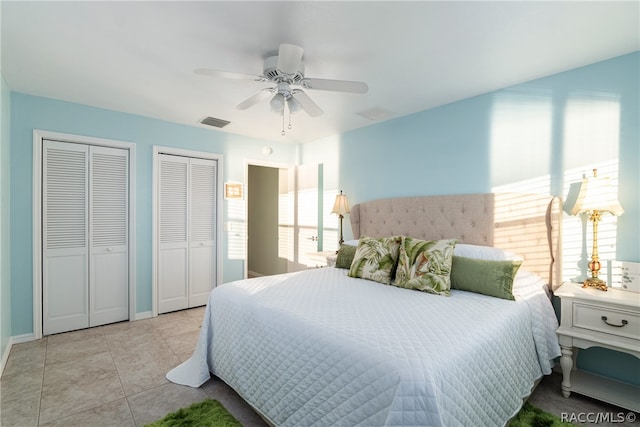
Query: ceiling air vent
[{"x": 212, "y": 121}]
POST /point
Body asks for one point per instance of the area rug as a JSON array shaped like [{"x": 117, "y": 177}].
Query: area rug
[
  {"x": 208, "y": 413},
  {"x": 211, "y": 413},
  {"x": 530, "y": 416}
]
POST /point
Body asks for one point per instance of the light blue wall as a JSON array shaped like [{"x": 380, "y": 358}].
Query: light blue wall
[
  {"x": 510, "y": 136},
  {"x": 5, "y": 253},
  {"x": 534, "y": 132},
  {"x": 30, "y": 112}
]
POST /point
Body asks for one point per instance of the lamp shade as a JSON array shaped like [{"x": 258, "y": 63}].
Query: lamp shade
[
  {"x": 341, "y": 205},
  {"x": 597, "y": 194},
  {"x": 294, "y": 105},
  {"x": 277, "y": 103}
]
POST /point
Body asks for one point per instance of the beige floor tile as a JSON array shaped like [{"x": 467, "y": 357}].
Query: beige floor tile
[
  {"x": 184, "y": 356},
  {"x": 145, "y": 369},
  {"x": 26, "y": 356},
  {"x": 154, "y": 404},
  {"x": 75, "y": 386},
  {"x": 21, "y": 385},
  {"x": 112, "y": 414},
  {"x": 139, "y": 326},
  {"x": 22, "y": 412},
  {"x": 126, "y": 344},
  {"x": 61, "y": 351},
  {"x": 177, "y": 326},
  {"x": 196, "y": 313},
  {"x": 183, "y": 343},
  {"x": 79, "y": 335}
]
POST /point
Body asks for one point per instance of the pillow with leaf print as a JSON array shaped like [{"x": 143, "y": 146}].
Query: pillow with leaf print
[
  {"x": 375, "y": 259},
  {"x": 425, "y": 265}
]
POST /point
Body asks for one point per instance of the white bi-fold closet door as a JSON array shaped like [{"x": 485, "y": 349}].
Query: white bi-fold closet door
[
  {"x": 187, "y": 197},
  {"x": 85, "y": 218}
]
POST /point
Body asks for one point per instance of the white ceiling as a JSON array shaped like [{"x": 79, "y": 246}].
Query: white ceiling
[{"x": 139, "y": 57}]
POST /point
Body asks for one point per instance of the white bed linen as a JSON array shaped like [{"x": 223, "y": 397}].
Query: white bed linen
[{"x": 317, "y": 348}]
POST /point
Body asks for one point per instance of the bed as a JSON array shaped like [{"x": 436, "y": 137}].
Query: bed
[{"x": 321, "y": 348}]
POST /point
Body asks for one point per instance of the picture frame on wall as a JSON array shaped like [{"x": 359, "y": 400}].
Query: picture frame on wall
[{"x": 233, "y": 190}]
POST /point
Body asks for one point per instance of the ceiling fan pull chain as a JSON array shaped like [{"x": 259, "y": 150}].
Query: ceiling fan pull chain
[
  {"x": 282, "y": 122},
  {"x": 289, "y": 127}
]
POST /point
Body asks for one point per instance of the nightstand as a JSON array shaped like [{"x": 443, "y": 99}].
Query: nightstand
[
  {"x": 324, "y": 258},
  {"x": 591, "y": 317}
]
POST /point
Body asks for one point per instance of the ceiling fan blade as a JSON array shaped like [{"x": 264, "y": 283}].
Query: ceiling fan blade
[
  {"x": 335, "y": 85},
  {"x": 309, "y": 107},
  {"x": 227, "y": 74},
  {"x": 289, "y": 57},
  {"x": 254, "y": 99}
]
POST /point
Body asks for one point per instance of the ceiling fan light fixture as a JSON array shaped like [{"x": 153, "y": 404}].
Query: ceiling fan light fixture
[
  {"x": 294, "y": 105},
  {"x": 277, "y": 103}
]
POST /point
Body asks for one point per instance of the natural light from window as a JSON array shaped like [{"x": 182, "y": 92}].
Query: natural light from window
[
  {"x": 523, "y": 159},
  {"x": 521, "y": 140},
  {"x": 235, "y": 228},
  {"x": 591, "y": 140}
]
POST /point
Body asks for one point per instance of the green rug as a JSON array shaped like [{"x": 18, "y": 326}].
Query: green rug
[
  {"x": 530, "y": 416},
  {"x": 211, "y": 413},
  {"x": 208, "y": 413}
]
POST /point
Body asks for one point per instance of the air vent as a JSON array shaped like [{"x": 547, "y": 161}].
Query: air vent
[
  {"x": 212, "y": 121},
  {"x": 375, "y": 114}
]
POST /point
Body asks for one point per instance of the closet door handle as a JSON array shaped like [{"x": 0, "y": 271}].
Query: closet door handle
[
  {"x": 109, "y": 249},
  {"x": 624, "y": 322}
]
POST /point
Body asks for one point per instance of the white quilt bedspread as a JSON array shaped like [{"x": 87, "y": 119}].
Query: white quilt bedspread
[{"x": 317, "y": 348}]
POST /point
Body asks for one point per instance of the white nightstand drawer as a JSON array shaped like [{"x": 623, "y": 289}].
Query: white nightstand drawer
[{"x": 614, "y": 322}]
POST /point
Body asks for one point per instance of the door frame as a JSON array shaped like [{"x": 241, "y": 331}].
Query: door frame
[
  {"x": 157, "y": 150},
  {"x": 38, "y": 137}
]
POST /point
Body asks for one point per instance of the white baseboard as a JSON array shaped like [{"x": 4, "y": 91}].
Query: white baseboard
[
  {"x": 5, "y": 357},
  {"x": 13, "y": 340},
  {"x": 143, "y": 315},
  {"x": 22, "y": 338}
]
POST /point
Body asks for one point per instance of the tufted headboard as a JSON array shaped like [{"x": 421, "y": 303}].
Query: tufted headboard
[{"x": 527, "y": 224}]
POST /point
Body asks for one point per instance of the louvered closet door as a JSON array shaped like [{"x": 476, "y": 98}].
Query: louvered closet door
[
  {"x": 65, "y": 243},
  {"x": 173, "y": 233},
  {"x": 108, "y": 227},
  {"x": 202, "y": 230}
]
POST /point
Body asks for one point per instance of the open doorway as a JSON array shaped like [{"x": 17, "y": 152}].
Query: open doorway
[
  {"x": 283, "y": 208},
  {"x": 264, "y": 257}
]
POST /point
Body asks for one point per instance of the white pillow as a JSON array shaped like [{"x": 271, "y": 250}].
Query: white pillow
[
  {"x": 351, "y": 243},
  {"x": 526, "y": 283},
  {"x": 487, "y": 253}
]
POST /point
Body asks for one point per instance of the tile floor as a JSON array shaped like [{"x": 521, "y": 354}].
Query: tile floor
[{"x": 114, "y": 375}]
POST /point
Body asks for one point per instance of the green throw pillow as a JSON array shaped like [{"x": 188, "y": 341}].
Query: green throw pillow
[
  {"x": 375, "y": 259},
  {"x": 493, "y": 278},
  {"x": 425, "y": 265},
  {"x": 345, "y": 256}
]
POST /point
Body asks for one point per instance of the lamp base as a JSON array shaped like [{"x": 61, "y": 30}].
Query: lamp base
[{"x": 594, "y": 282}]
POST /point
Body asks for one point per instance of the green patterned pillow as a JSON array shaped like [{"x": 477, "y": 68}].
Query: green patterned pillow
[
  {"x": 346, "y": 253},
  {"x": 425, "y": 265},
  {"x": 375, "y": 259},
  {"x": 493, "y": 278}
]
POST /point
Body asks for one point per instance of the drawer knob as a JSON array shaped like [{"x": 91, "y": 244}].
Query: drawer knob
[{"x": 604, "y": 319}]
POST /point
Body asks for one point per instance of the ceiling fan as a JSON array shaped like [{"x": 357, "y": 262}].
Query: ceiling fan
[{"x": 286, "y": 69}]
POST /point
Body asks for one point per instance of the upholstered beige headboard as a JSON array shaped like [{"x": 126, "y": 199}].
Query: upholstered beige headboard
[{"x": 527, "y": 224}]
